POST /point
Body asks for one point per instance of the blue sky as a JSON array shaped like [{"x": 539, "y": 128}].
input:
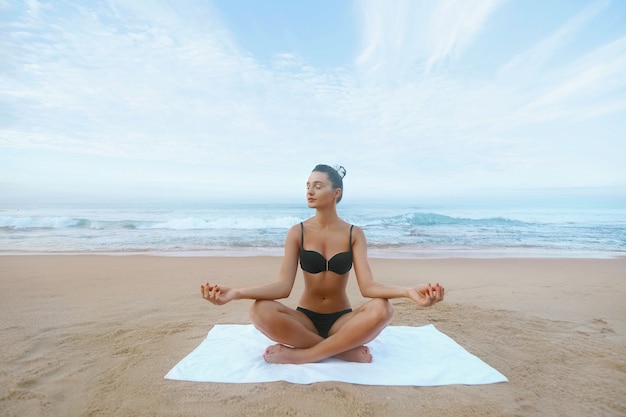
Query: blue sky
[{"x": 234, "y": 99}]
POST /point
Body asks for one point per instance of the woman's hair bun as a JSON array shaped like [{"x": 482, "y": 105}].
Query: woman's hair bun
[{"x": 341, "y": 170}]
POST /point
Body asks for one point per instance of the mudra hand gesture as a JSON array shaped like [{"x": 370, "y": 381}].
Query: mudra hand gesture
[
  {"x": 216, "y": 294},
  {"x": 426, "y": 295}
]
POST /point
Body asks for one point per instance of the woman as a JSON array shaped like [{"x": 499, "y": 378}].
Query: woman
[{"x": 324, "y": 325}]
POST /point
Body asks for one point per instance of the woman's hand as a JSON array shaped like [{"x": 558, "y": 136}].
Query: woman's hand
[
  {"x": 216, "y": 294},
  {"x": 426, "y": 295}
]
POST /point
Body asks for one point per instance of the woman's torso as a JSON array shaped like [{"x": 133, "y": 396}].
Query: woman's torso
[{"x": 326, "y": 260}]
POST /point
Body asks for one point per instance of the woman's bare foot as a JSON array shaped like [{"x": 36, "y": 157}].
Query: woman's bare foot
[
  {"x": 282, "y": 354},
  {"x": 359, "y": 354}
]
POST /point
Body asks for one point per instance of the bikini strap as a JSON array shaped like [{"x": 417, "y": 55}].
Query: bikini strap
[{"x": 351, "y": 226}]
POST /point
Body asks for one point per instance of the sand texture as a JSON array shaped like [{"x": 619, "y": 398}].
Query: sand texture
[{"x": 94, "y": 335}]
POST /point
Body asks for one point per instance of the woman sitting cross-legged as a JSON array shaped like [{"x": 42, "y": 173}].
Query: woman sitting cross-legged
[{"x": 324, "y": 325}]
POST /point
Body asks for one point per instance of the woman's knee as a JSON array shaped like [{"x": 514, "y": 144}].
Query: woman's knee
[
  {"x": 381, "y": 309},
  {"x": 260, "y": 309}
]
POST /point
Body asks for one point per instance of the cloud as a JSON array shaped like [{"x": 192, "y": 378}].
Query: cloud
[
  {"x": 107, "y": 74},
  {"x": 527, "y": 63},
  {"x": 547, "y": 87},
  {"x": 587, "y": 87},
  {"x": 404, "y": 38},
  {"x": 169, "y": 88}
]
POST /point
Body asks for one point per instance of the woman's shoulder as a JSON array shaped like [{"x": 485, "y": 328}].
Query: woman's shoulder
[
  {"x": 356, "y": 230},
  {"x": 300, "y": 225},
  {"x": 295, "y": 228}
]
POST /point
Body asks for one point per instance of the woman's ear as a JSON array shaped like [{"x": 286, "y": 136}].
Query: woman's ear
[{"x": 338, "y": 193}]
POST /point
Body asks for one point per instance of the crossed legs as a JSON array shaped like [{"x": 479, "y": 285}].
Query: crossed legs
[{"x": 298, "y": 341}]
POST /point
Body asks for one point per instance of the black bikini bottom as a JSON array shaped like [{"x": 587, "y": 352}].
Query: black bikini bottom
[{"x": 323, "y": 322}]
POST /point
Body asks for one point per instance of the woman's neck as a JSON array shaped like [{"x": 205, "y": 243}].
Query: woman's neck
[{"x": 327, "y": 217}]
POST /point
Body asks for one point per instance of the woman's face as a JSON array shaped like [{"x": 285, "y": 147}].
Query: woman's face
[{"x": 319, "y": 190}]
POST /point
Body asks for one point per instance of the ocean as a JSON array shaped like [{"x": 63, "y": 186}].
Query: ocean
[{"x": 392, "y": 230}]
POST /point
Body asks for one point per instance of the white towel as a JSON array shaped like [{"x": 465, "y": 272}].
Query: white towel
[{"x": 419, "y": 356}]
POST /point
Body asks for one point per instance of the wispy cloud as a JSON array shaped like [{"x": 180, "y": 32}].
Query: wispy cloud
[
  {"x": 527, "y": 63},
  {"x": 404, "y": 38},
  {"x": 137, "y": 80},
  {"x": 453, "y": 27},
  {"x": 588, "y": 84},
  {"x": 588, "y": 87},
  {"x": 170, "y": 82}
]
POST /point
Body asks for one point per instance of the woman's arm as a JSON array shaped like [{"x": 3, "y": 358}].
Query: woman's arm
[
  {"x": 423, "y": 295},
  {"x": 276, "y": 290}
]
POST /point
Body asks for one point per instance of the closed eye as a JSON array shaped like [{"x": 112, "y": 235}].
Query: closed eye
[{"x": 317, "y": 185}]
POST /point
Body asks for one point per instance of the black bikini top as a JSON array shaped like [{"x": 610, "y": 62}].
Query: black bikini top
[{"x": 314, "y": 262}]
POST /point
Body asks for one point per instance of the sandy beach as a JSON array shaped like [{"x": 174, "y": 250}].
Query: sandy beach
[{"x": 94, "y": 335}]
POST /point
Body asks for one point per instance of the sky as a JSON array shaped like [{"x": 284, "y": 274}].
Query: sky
[{"x": 216, "y": 100}]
